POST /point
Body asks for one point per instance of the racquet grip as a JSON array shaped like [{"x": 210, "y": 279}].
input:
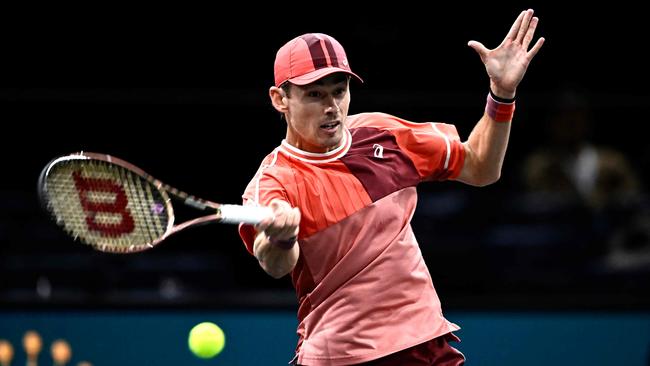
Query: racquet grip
[{"x": 234, "y": 214}]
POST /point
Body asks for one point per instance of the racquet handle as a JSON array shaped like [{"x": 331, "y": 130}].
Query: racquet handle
[{"x": 234, "y": 214}]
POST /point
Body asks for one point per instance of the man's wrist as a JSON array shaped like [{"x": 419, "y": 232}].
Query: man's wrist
[
  {"x": 501, "y": 99},
  {"x": 499, "y": 111},
  {"x": 285, "y": 244}
]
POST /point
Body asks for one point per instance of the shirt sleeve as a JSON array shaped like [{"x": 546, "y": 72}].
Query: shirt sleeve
[
  {"x": 434, "y": 148},
  {"x": 451, "y": 161}
]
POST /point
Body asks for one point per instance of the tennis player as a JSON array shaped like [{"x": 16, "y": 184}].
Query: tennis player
[{"x": 343, "y": 191}]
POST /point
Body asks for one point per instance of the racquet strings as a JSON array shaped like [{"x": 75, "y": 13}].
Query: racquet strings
[{"x": 106, "y": 205}]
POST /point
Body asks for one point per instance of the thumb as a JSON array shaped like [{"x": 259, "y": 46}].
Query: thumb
[{"x": 479, "y": 48}]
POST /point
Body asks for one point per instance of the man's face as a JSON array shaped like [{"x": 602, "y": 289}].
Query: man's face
[{"x": 317, "y": 112}]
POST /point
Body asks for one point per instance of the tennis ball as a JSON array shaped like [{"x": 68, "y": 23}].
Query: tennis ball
[{"x": 206, "y": 340}]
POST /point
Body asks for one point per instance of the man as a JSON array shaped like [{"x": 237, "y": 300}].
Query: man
[{"x": 342, "y": 189}]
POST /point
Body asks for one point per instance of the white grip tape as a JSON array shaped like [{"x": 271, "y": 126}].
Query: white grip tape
[{"x": 234, "y": 214}]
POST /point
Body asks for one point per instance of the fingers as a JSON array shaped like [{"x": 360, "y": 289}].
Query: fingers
[
  {"x": 292, "y": 224},
  {"x": 536, "y": 48},
  {"x": 262, "y": 225},
  {"x": 514, "y": 30},
  {"x": 530, "y": 32},
  {"x": 284, "y": 224},
  {"x": 523, "y": 27},
  {"x": 521, "y": 32}
]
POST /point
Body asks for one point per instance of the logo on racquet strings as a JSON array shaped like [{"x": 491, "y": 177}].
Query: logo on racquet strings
[
  {"x": 117, "y": 206},
  {"x": 157, "y": 209}
]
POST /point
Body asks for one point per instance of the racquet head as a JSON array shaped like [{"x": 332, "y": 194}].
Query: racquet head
[
  {"x": 106, "y": 202},
  {"x": 116, "y": 207}
]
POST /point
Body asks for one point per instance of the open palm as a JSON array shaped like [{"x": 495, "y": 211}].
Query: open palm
[{"x": 507, "y": 64}]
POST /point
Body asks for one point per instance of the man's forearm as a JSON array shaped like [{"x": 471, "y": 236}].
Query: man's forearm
[
  {"x": 276, "y": 260},
  {"x": 487, "y": 144}
]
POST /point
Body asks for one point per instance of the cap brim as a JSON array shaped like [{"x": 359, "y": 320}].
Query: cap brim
[{"x": 319, "y": 74}]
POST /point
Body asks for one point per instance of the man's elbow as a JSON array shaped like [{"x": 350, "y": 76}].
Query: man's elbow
[
  {"x": 486, "y": 178},
  {"x": 491, "y": 178}
]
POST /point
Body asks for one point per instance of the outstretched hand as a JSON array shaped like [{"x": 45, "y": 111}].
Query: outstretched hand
[{"x": 507, "y": 64}]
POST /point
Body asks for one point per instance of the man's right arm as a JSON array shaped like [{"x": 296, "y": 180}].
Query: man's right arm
[{"x": 275, "y": 243}]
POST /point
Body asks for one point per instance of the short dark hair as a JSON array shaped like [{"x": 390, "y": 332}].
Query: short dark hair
[{"x": 286, "y": 86}]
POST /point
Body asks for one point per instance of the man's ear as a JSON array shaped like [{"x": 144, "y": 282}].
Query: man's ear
[{"x": 278, "y": 99}]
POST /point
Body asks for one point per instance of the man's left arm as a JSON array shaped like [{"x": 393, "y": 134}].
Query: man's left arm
[{"x": 506, "y": 66}]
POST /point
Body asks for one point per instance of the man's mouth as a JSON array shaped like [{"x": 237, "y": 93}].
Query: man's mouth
[{"x": 330, "y": 125}]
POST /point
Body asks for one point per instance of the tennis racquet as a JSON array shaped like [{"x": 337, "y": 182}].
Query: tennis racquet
[{"x": 116, "y": 207}]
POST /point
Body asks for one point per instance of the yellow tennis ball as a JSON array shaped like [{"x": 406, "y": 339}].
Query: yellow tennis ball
[{"x": 206, "y": 340}]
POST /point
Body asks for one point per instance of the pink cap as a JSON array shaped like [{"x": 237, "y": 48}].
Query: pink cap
[{"x": 310, "y": 57}]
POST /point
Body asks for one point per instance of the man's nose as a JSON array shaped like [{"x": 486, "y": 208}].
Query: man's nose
[{"x": 331, "y": 105}]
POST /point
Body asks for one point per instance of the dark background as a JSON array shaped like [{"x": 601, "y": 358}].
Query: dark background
[{"x": 182, "y": 93}]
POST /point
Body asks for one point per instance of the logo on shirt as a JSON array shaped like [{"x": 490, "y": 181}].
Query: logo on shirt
[{"x": 379, "y": 151}]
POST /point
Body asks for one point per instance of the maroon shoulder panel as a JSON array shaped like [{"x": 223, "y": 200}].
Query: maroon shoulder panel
[{"x": 377, "y": 161}]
